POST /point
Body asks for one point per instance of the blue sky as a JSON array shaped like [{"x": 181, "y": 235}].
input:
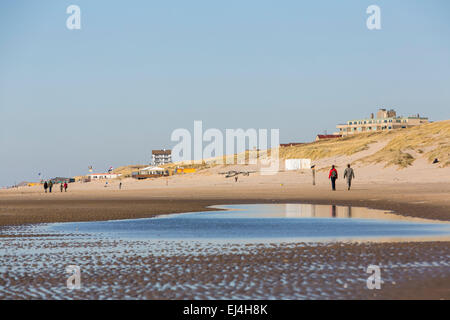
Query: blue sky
[{"x": 106, "y": 95}]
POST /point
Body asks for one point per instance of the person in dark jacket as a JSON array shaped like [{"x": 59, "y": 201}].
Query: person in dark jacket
[
  {"x": 61, "y": 186},
  {"x": 45, "y": 186},
  {"x": 333, "y": 176}
]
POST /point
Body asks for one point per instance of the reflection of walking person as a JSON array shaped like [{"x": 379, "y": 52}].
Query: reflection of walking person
[
  {"x": 236, "y": 179},
  {"x": 45, "y": 186},
  {"x": 349, "y": 174},
  {"x": 333, "y": 176}
]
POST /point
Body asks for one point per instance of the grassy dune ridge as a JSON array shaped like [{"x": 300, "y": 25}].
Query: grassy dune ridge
[
  {"x": 400, "y": 149},
  {"x": 402, "y": 146}
]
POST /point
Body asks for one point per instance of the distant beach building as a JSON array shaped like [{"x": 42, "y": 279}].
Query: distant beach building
[
  {"x": 384, "y": 120},
  {"x": 327, "y": 136},
  {"x": 149, "y": 172},
  {"x": 60, "y": 180},
  {"x": 297, "y": 164},
  {"x": 23, "y": 184},
  {"x": 185, "y": 170},
  {"x": 160, "y": 157},
  {"x": 98, "y": 176},
  {"x": 291, "y": 144}
]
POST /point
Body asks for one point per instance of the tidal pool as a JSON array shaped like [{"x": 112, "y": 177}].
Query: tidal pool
[
  {"x": 270, "y": 251},
  {"x": 269, "y": 223}
]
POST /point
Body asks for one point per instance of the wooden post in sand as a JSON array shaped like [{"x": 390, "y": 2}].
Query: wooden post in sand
[{"x": 313, "y": 168}]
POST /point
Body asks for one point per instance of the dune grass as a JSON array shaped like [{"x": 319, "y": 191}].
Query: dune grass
[
  {"x": 331, "y": 147},
  {"x": 433, "y": 137},
  {"x": 391, "y": 158},
  {"x": 429, "y": 140}
]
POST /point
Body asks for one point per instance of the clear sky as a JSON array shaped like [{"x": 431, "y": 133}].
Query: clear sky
[{"x": 106, "y": 95}]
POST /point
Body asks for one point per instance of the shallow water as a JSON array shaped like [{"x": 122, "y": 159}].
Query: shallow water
[
  {"x": 267, "y": 223},
  {"x": 247, "y": 252}
]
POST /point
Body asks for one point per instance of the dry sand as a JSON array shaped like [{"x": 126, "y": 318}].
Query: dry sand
[{"x": 193, "y": 192}]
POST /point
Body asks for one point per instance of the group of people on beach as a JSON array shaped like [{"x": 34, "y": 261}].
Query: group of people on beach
[
  {"x": 49, "y": 186},
  {"x": 349, "y": 174}
]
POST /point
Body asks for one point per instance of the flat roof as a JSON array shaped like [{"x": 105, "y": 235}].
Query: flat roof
[
  {"x": 97, "y": 174},
  {"x": 393, "y": 118},
  {"x": 161, "y": 151}
]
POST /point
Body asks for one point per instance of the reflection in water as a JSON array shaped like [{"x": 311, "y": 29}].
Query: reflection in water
[
  {"x": 300, "y": 210},
  {"x": 220, "y": 255},
  {"x": 294, "y": 210},
  {"x": 267, "y": 221}
]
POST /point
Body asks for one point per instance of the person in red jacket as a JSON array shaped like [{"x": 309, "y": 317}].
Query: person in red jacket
[{"x": 333, "y": 176}]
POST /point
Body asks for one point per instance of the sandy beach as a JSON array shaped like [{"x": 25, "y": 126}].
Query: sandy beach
[
  {"x": 191, "y": 150},
  {"x": 413, "y": 270},
  {"x": 137, "y": 199}
]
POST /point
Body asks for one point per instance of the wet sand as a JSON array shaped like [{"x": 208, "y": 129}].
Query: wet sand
[
  {"x": 430, "y": 201},
  {"x": 120, "y": 269},
  {"x": 34, "y": 266}
]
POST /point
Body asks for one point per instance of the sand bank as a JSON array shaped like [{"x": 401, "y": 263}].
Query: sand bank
[{"x": 137, "y": 199}]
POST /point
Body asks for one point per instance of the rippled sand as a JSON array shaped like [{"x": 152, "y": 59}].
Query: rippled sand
[{"x": 33, "y": 267}]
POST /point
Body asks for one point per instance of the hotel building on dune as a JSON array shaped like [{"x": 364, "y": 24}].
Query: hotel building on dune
[
  {"x": 161, "y": 157},
  {"x": 385, "y": 120}
]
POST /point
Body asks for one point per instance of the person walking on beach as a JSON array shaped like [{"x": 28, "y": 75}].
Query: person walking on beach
[
  {"x": 65, "y": 186},
  {"x": 61, "y": 186},
  {"x": 45, "y": 186},
  {"x": 50, "y": 186},
  {"x": 120, "y": 186},
  {"x": 349, "y": 174},
  {"x": 333, "y": 176}
]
